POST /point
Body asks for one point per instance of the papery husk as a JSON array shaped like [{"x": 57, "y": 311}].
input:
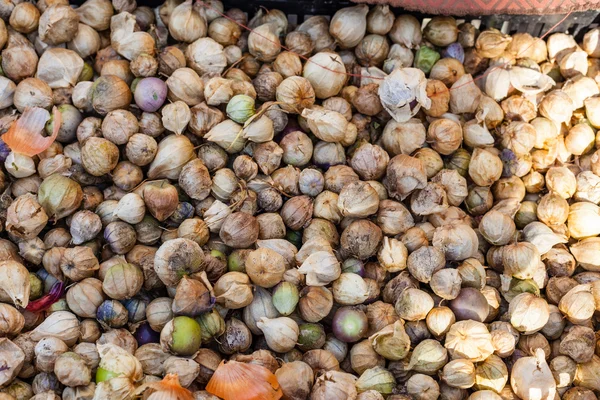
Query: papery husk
[
  {"x": 335, "y": 385},
  {"x": 400, "y": 89},
  {"x": 218, "y": 91},
  {"x": 281, "y": 246},
  {"x": 469, "y": 339},
  {"x": 206, "y": 56},
  {"x": 175, "y": 117},
  {"x": 233, "y": 290},
  {"x": 11, "y": 365},
  {"x": 528, "y": 313},
  {"x": 24, "y": 136},
  {"x": 529, "y": 81},
  {"x": 259, "y": 129},
  {"x": 281, "y": 334},
  {"x": 491, "y": 374},
  {"x": 391, "y": 342},
  {"x": 59, "y": 68},
  {"x": 14, "y": 283},
  {"x": 532, "y": 379},
  {"x": 428, "y": 357},
  {"x": 126, "y": 41},
  {"x": 320, "y": 268},
  {"x": 584, "y": 220},
  {"x": 234, "y": 380},
  {"x": 392, "y": 255},
  {"x": 404, "y": 175},
  {"x": 263, "y": 42},
  {"x": 168, "y": 388},
  {"x": 588, "y": 374},
  {"x": 215, "y": 215},
  {"x": 476, "y": 134},
  {"x": 464, "y": 95},
  {"x": 311, "y": 246},
  {"x": 489, "y": 112},
  {"x": 329, "y": 126},
  {"x": 96, "y": 14},
  {"x": 587, "y": 253},
  {"x": 459, "y": 374},
  {"x": 542, "y": 237},
  {"x": 350, "y": 289},
  {"x": 228, "y": 135},
  {"x": 580, "y": 88},
  {"x": 173, "y": 153},
  {"x": 325, "y": 82},
  {"x": 317, "y": 27},
  {"x": 378, "y": 379},
  {"x": 578, "y": 304},
  {"x": 62, "y": 325},
  {"x": 296, "y": 379},
  {"x": 186, "y": 24},
  {"x": 348, "y": 25},
  {"x": 457, "y": 241},
  {"x": 120, "y": 362},
  {"x": 115, "y": 388},
  {"x": 497, "y": 83}
]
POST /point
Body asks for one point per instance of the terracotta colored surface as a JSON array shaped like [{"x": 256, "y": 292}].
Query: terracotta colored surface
[{"x": 488, "y": 7}]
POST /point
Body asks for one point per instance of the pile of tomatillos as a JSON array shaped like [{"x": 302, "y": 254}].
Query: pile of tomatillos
[{"x": 358, "y": 207}]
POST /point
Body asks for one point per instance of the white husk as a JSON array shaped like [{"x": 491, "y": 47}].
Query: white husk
[
  {"x": 205, "y": 55},
  {"x": 115, "y": 359},
  {"x": 530, "y": 81},
  {"x": 215, "y": 215},
  {"x": 348, "y": 25},
  {"x": 400, "y": 88},
  {"x": 542, "y": 237},
  {"x": 587, "y": 253},
  {"x": 392, "y": 255},
  {"x": 584, "y": 220},
  {"x": 327, "y": 125},
  {"x": 176, "y": 116},
  {"x": 532, "y": 379},
  {"x": 350, "y": 289},
  {"x": 258, "y": 130},
  {"x": 320, "y": 268},
  {"x": 227, "y": 135},
  {"x": 497, "y": 83},
  {"x": 14, "y": 283},
  {"x": 280, "y": 333},
  {"x": 476, "y": 133},
  {"x": 326, "y": 82},
  {"x": 59, "y": 68},
  {"x": 470, "y": 340},
  {"x": 62, "y": 325},
  {"x": 126, "y": 41},
  {"x": 464, "y": 95}
]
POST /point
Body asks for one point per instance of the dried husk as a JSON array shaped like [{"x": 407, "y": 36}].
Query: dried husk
[
  {"x": 174, "y": 152},
  {"x": 13, "y": 362},
  {"x": 186, "y": 24},
  {"x": 126, "y": 41},
  {"x": 470, "y": 340},
  {"x": 326, "y": 83},
  {"x": 398, "y": 91},
  {"x": 531, "y": 378},
  {"x": 59, "y": 68},
  {"x": 348, "y": 25},
  {"x": 14, "y": 283},
  {"x": 228, "y": 135},
  {"x": 62, "y": 325},
  {"x": 464, "y": 95},
  {"x": 175, "y": 117},
  {"x": 320, "y": 268},
  {"x": 391, "y": 342}
]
